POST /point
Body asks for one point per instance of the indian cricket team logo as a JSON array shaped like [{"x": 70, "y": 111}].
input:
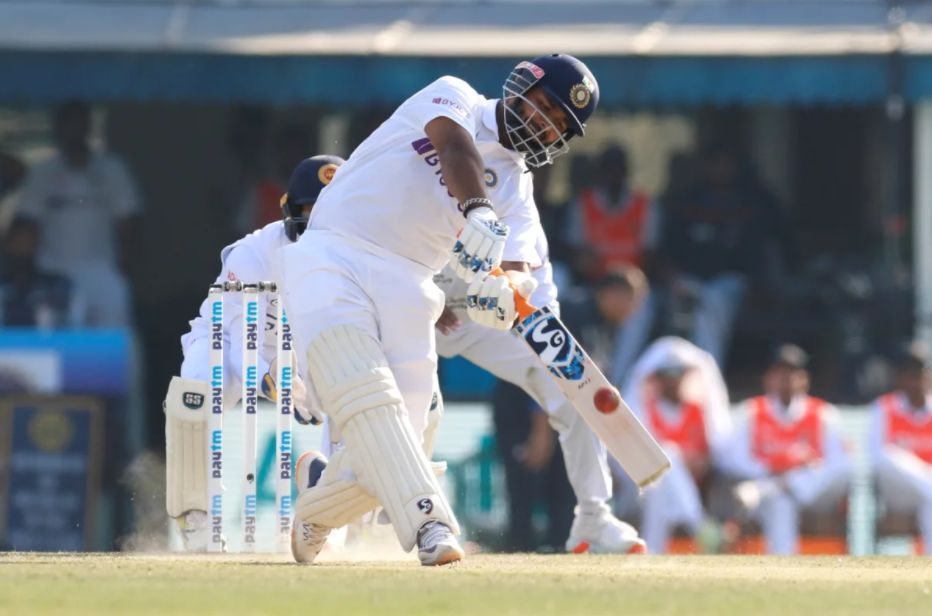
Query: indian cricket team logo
[
  {"x": 490, "y": 178},
  {"x": 580, "y": 95},
  {"x": 554, "y": 345},
  {"x": 325, "y": 173}
]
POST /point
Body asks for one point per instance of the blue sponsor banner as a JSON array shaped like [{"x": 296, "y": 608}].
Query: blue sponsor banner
[
  {"x": 91, "y": 361},
  {"x": 50, "y": 466}
]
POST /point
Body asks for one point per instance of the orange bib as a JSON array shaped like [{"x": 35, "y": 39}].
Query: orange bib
[
  {"x": 907, "y": 430},
  {"x": 688, "y": 432},
  {"x": 783, "y": 446},
  {"x": 615, "y": 234}
]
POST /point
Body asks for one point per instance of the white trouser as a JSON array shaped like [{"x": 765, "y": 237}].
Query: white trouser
[
  {"x": 509, "y": 359},
  {"x": 673, "y": 500},
  {"x": 812, "y": 489},
  {"x": 329, "y": 280},
  {"x": 904, "y": 484}
]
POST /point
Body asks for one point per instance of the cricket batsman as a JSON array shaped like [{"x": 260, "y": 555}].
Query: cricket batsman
[
  {"x": 443, "y": 179},
  {"x": 253, "y": 258}
]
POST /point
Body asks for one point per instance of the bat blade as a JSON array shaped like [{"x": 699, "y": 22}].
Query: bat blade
[{"x": 579, "y": 379}]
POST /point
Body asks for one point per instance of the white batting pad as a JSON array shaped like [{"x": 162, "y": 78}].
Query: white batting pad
[
  {"x": 358, "y": 391},
  {"x": 186, "y": 456}
]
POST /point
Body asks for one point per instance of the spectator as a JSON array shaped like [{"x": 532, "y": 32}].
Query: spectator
[
  {"x": 679, "y": 394},
  {"x": 86, "y": 203},
  {"x": 613, "y": 225},
  {"x": 900, "y": 441},
  {"x": 610, "y": 223},
  {"x": 30, "y": 296},
  {"x": 262, "y": 203},
  {"x": 787, "y": 450},
  {"x": 714, "y": 237}
]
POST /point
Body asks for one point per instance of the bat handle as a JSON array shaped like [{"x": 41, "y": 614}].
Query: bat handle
[{"x": 522, "y": 306}]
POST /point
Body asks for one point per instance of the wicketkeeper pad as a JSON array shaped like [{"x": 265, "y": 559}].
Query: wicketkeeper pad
[
  {"x": 186, "y": 456},
  {"x": 359, "y": 392}
]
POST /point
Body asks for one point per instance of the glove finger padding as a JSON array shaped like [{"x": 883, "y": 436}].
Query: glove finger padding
[
  {"x": 490, "y": 302},
  {"x": 524, "y": 283},
  {"x": 306, "y": 407}
]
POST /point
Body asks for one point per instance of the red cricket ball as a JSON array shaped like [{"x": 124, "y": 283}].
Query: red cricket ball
[{"x": 606, "y": 400}]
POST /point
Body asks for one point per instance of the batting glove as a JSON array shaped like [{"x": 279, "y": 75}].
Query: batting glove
[
  {"x": 480, "y": 245},
  {"x": 490, "y": 301}
]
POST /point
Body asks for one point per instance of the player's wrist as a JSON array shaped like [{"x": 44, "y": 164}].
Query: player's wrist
[{"x": 478, "y": 206}]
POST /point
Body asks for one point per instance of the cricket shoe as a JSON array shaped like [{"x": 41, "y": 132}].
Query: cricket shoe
[
  {"x": 308, "y": 538},
  {"x": 437, "y": 545},
  {"x": 600, "y": 532},
  {"x": 195, "y": 531}
]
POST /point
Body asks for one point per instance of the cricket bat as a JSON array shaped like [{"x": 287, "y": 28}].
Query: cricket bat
[{"x": 590, "y": 393}]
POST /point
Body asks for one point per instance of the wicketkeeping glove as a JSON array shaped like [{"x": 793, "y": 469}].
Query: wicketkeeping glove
[{"x": 304, "y": 413}]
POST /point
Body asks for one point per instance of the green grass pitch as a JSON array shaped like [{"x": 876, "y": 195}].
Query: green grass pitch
[{"x": 483, "y": 584}]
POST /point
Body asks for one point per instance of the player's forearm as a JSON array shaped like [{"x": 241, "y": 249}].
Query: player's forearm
[{"x": 463, "y": 171}]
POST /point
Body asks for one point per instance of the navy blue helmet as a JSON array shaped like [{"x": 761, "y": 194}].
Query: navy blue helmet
[
  {"x": 569, "y": 84},
  {"x": 307, "y": 180}
]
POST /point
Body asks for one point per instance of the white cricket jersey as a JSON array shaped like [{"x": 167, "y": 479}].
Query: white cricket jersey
[
  {"x": 78, "y": 209},
  {"x": 252, "y": 258},
  {"x": 390, "y": 192}
]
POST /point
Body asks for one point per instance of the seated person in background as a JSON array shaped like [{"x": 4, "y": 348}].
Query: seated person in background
[
  {"x": 900, "y": 441},
  {"x": 613, "y": 225},
  {"x": 88, "y": 206},
  {"x": 714, "y": 241},
  {"x": 787, "y": 449},
  {"x": 677, "y": 391},
  {"x": 30, "y": 296}
]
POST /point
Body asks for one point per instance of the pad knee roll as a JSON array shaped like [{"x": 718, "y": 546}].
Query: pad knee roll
[
  {"x": 358, "y": 391},
  {"x": 186, "y": 456}
]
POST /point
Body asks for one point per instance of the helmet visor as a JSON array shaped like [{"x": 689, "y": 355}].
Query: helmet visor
[{"x": 531, "y": 135}]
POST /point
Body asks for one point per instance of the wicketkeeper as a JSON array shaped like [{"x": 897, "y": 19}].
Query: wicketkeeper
[{"x": 251, "y": 259}]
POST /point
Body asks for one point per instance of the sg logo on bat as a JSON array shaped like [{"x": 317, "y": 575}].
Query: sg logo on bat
[{"x": 547, "y": 337}]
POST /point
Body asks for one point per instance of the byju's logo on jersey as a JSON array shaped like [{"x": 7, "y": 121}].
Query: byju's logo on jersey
[
  {"x": 553, "y": 344},
  {"x": 428, "y": 153}
]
